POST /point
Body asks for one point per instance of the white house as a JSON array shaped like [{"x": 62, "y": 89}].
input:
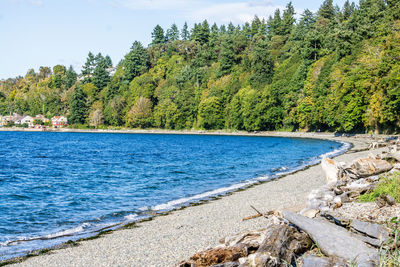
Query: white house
[
  {"x": 28, "y": 120},
  {"x": 59, "y": 121}
]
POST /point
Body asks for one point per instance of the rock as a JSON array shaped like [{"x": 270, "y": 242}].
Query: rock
[
  {"x": 335, "y": 241},
  {"x": 338, "y": 191},
  {"x": 217, "y": 256},
  {"x": 384, "y": 200},
  {"x": 371, "y": 229},
  {"x": 369, "y": 166},
  {"x": 332, "y": 170},
  {"x": 227, "y": 264},
  {"x": 310, "y": 213},
  {"x": 314, "y": 261}
]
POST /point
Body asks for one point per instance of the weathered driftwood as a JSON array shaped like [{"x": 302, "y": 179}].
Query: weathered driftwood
[
  {"x": 215, "y": 256},
  {"x": 332, "y": 170},
  {"x": 371, "y": 229},
  {"x": 369, "y": 166},
  {"x": 281, "y": 244},
  {"x": 335, "y": 241},
  {"x": 393, "y": 155},
  {"x": 252, "y": 240}
]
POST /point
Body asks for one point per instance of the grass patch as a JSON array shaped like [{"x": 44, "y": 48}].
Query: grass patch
[{"x": 389, "y": 185}]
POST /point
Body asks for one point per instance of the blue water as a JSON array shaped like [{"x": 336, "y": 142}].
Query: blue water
[{"x": 56, "y": 187}]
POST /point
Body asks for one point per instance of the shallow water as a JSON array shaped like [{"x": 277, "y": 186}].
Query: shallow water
[{"x": 56, "y": 187}]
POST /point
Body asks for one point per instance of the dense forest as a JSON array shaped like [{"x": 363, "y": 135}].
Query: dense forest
[{"x": 334, "y": 70}]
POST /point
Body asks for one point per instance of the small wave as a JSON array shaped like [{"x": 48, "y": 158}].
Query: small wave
[
  {"x": 64, "y": 233},
  {"x": 178, "y": 202},
  {"x": 131, "y": 217}
]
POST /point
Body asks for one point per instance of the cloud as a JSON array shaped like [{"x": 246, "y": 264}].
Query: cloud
[
  {"x": 37, "y": 3},
  {"x": 198, "y": 10}
]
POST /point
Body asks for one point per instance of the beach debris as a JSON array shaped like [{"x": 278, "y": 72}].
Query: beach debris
[
  {"x": 251, "y": 240},
  {"x": 214, "y": 256},
  {"x": 335, "y": 241},
  {"x": 385, "y": 200},
  {"x": 315, "y": 261},
  {"x": 371, "y": 229},
  {"x": 310, "y": 213},
  {"x": 369, "y": 166},
  {"x": 259, "y": 214},
  {"x": 332, "y": 170},
  {"x": 281, "y": 245}
]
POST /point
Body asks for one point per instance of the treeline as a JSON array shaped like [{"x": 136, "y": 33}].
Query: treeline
[{"x": 337, "y": 70}]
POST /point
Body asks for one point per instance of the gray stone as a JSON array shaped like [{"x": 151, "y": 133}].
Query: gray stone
[
  {"x": 335, "y": 241},
  {"x": 371, "y": 229},
  {"x": 314, "y": 261}
]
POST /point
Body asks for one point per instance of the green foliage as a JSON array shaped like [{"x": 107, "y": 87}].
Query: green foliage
[
  {"x": 78, "y": 107},
  {"x": 210, "y": 114},
  {"x": 335, "y": 70},
  {"x": 389, "y": 185},
  {"x": 136, "y": 61}
]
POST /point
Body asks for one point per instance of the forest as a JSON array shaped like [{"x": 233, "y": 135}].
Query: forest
[{"x": 337, "y": 70}]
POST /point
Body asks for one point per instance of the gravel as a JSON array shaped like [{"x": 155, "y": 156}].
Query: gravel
[{"x": 167, "y": 240}]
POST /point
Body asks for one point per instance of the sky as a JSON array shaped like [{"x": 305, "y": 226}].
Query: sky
[{"x": 38, "y": 33}]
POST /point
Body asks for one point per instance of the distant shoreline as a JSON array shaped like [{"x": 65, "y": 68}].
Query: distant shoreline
[{"x": 318, "y": 135}]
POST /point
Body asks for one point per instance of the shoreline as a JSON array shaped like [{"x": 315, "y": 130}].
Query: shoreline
[{"x": 188, "y": 206}]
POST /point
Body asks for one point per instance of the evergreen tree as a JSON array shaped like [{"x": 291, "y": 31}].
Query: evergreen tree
[
  {"x": 77, "y": 105},
  {"x": 88, "y": 68},
  {"x": 262, "y": 65},
  {"x": 288, "y": 19},
  {"x": 108, "y": 61},
  {"x": 326, "y": 11},
  {"x": 173, "y": 33},
  {"x": 100, "y": 75},
  {"x": 136, "y": 61},
  {"x": 231, "y": 29},
  {"x": 185, "y": 32},
  {"x": 70, "y": 77},
  {"x": 158, "y": 35},
  {"x": 228, "y": 56},
  {"x": 274, "y": 23}
]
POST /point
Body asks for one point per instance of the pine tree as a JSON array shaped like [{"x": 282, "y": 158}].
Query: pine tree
[
  {"x": 185, "y": 32},
  {"x": 70, "y": 77},
  {"x": 77, "y": 105},
  {"x": 173, "y": 33},
  {"x": 158, "y": 35},
  {"x": 136, "y": 61},
  {"x": 262, "y": 65},
  {"x": 88, "y": 68},
  {"x": 108, "y": 61},
  {"x": 100, "y": 75},
  {"x": 326, "y": 11},
  {"x": 288, "y": 19},
  {"x": 227, "y": 56}
]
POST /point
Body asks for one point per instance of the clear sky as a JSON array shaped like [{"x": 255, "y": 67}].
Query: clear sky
[{"x": 38, "y": 33}]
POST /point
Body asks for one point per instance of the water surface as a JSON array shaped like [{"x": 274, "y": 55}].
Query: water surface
[{"x": 60, "y": 186}]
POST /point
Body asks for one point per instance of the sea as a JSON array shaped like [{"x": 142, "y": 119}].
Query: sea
[{"x": 57, "y": 187}]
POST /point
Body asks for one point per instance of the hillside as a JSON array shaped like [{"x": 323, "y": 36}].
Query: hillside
[{"x": 336, "y": 70}]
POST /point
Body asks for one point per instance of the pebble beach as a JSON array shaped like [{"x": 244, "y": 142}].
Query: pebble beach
[{"x": 167, "y": 240}]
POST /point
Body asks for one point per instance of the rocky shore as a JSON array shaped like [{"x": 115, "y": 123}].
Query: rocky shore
[
  {"x": 332, "y": 230},
  {"x": 167, "y": 240}
]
